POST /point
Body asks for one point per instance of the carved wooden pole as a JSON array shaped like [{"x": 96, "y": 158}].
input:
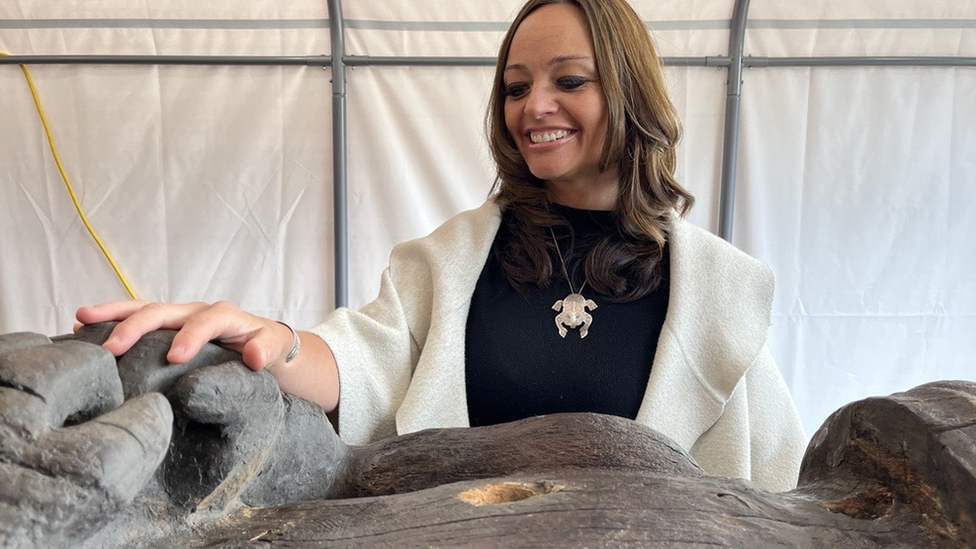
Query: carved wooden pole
[{"x": 226, "y": 460}]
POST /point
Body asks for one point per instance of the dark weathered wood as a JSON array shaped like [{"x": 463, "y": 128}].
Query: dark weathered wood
[
  {"x": 885, "y": 472},
  {"x": 571, "y": 441},
  {"x": 250, "y": 467},
  {"x": 919, "y": 448},
  {"x": 572, "y": 508}
]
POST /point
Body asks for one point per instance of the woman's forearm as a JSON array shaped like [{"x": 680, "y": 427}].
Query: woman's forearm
[{"x": 312, "y": 374}]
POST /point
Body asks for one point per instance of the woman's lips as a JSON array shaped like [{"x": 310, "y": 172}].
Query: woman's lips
[{"x": 547, "y": 138}]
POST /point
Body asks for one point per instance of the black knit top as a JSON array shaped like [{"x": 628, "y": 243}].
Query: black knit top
[{"x": 516, "y": 363}]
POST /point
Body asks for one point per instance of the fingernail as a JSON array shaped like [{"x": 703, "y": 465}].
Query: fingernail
[{"x": 176, "y": 352}]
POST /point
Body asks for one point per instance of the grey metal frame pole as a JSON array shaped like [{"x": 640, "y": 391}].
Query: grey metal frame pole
[
  {"x": 223, "y": 60},
  {"x": 733, "y": 103},
  {"x": 378, "y": 61},
  {"x": 767, "y": 62},
  {"x": 339, "y": 156}
]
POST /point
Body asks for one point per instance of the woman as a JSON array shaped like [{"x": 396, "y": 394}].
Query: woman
[{"x": 577, "y": 287}]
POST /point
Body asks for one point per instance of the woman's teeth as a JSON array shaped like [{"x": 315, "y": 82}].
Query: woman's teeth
[{"x": 546, "y": 137}]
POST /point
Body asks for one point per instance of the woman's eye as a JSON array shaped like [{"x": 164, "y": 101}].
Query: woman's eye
[
  {"x": 570, "y": 82},
  {"x": 516, "y": 90}
]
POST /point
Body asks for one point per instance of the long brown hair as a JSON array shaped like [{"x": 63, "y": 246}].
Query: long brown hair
[{"x": 643, "y": 131}]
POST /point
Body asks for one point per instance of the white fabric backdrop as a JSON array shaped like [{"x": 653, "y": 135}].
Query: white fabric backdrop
[{"x": 858, "y": 185}]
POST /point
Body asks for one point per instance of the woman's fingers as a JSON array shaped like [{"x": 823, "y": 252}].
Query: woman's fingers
[
  {"x": 270, "y": 343},
  {"x": 136, "y": 319},
  {"x": 105, "y": 312},
  {"x": 147, "y": 318},
  {"x": 221, "y": 322},
  {"x": 260, "y": 341}
]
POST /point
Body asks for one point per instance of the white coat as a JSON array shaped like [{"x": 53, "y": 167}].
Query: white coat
[{"x": 714, "y": 387}]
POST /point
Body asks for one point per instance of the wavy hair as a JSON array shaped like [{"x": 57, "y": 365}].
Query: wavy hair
[{"x": 643, "y": 131}]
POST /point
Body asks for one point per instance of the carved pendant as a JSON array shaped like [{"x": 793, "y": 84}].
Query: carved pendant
[{"x": 572, "y": 314}]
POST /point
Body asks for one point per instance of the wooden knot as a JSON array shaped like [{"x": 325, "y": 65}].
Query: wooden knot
[{"x": 506, "y": 492}]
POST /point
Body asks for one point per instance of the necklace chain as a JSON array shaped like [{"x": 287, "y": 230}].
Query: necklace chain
[
  {"x": 562, "y": 263},
  {"x": 572, "y": 309}
]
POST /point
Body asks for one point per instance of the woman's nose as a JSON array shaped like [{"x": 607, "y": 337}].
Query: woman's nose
[{"x": 541, "y": 102}]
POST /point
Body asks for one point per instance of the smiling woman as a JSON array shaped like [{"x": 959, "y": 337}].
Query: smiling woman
[
  {"x": 555, "y": 109},
  {"x": 610, "y": 96},
  {"x": 672, "y": 331}
]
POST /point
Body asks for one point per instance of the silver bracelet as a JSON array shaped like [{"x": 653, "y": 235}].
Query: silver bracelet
[{"x": 295, "y": 346}]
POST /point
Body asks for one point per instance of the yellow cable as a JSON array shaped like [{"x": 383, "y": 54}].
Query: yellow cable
[{"x": 67, "y": 183}]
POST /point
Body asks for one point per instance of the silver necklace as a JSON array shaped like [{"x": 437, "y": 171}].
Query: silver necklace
[{"x": 572, "y": 308}]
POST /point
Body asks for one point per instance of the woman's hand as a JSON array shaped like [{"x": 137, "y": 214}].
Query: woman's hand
[{"x": 262, "y": 342}]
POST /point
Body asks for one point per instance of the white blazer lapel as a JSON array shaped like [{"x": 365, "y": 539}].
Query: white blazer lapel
[
  {"x": 718, "y": 316},
  {"x": 457, "y": 250}
]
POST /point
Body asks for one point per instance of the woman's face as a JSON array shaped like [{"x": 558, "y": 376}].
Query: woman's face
[{"x": 555, "y": 108}]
